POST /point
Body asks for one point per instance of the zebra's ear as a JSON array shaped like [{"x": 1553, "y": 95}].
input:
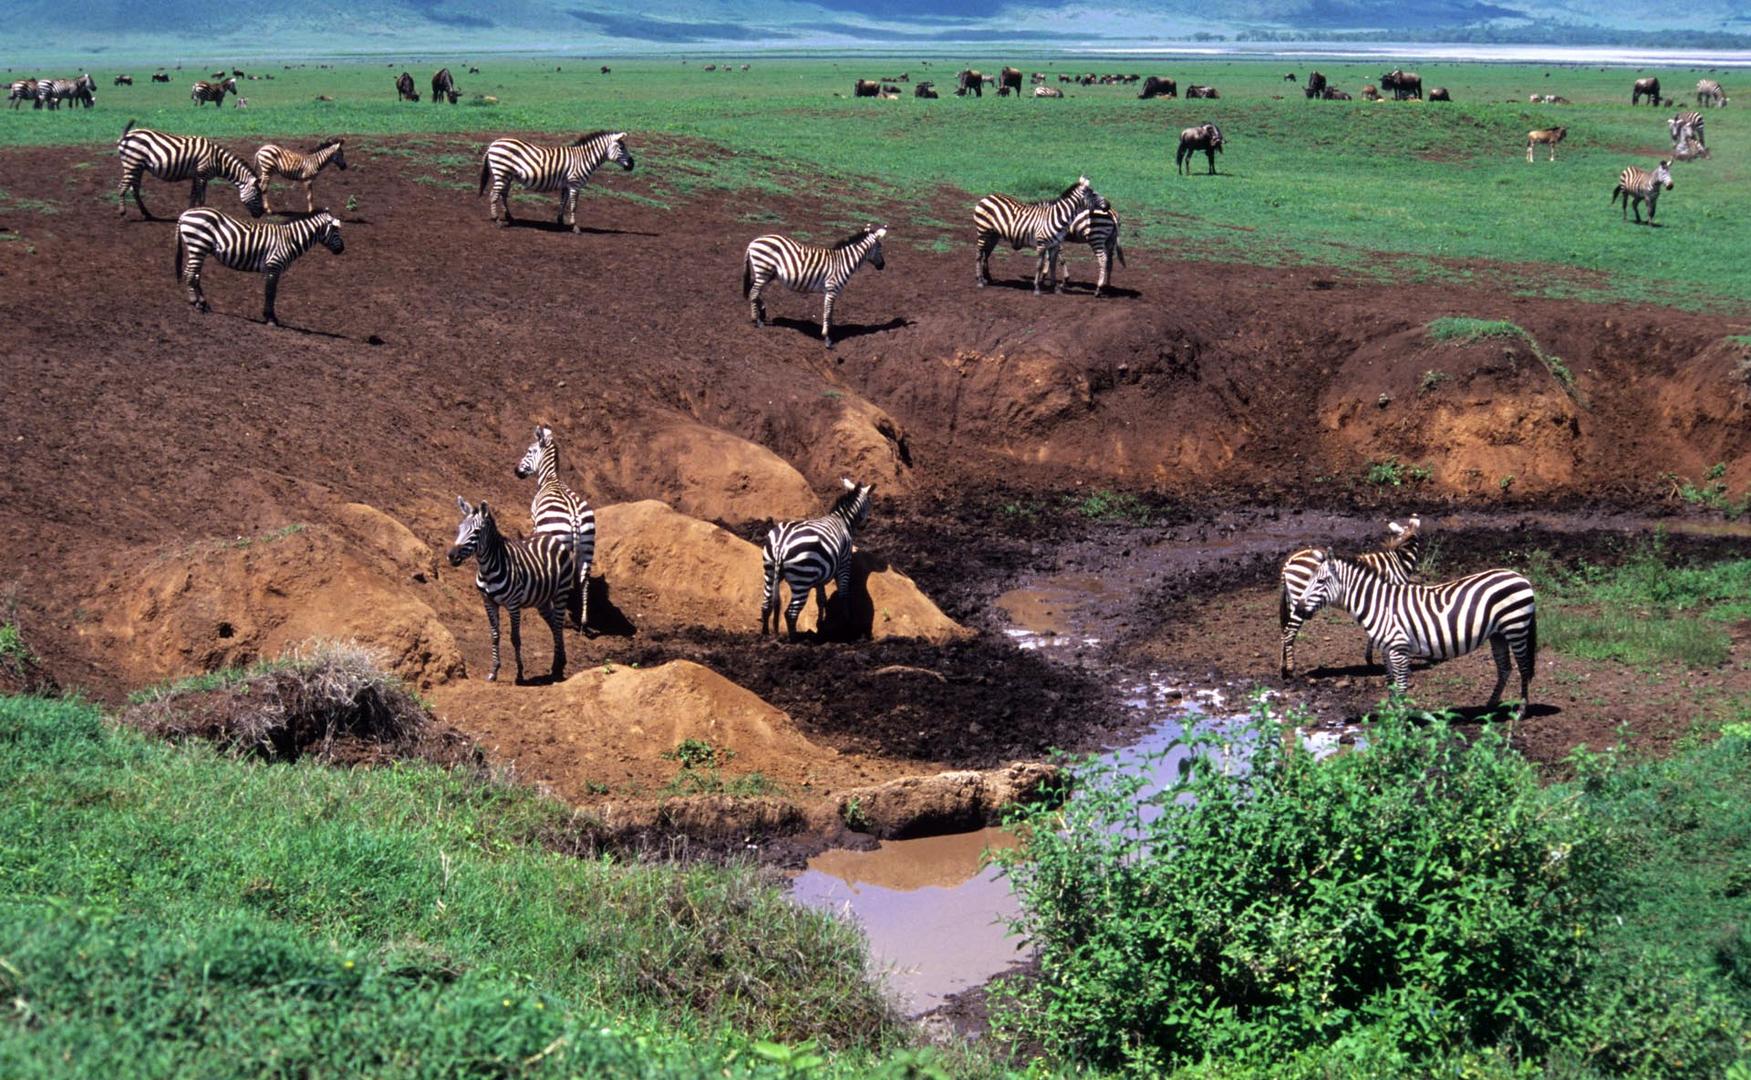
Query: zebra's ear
[
  {"x": 1395, "y": 528},
  {"x": 462, "y": 505},
  {"x": 847, "y": 481},
  {"x": 1416, "y": 521}
]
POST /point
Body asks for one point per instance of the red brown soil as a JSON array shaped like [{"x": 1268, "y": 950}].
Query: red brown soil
[{"x": 412, "y": 368}]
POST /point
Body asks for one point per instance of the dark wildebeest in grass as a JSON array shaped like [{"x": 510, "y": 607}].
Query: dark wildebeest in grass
[
  {"x": 1289, "y": 76},
  {"x": 124, "y": 80},
  {"x": 1332, "y": 93},
  {"x": 404, "y": 90},
  {"x": 924, "y": 90},
  {"x": 1315, "y": 85},
  {"x": 1403, "y": 84},
  {"x": 443, "y": 86},
  {"x": 1009, "y": 79},
  {"x": 866, "y": 88},
  {"x": 1439, "y": 93},
  {"x": 606, "y": 70},
  {"x": 1196, "y": 91},
  {"x": 1205, "y": 137},
  {"x": 969, "y": 80},
  {"x": 1155, "y": 86},
  {"x": 1649, "y": 88},
  {"x": 161, "y": 76}
]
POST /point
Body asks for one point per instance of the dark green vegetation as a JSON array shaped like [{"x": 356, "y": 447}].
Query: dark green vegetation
[
  {"x": 1467, "y": 331},
  {"x": 1401, "y": 191},
  {"x": 1418, "y": 905}
]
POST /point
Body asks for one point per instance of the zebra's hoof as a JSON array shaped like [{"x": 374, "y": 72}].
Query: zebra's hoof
[
  {"x": 492, "y": 676},
  {"x": 827, "y": 342}
]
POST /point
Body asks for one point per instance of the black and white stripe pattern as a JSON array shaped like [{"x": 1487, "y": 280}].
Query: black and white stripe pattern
[
  {"x": 181, "y": 157},
  {"x": 1709, "y": 93},
  {"x": 1435, "y": 622},
  {"x": 1099, "y": 229},
  {"x": 272, "y": 160},
  {"x": 808, "y": 554},
  {"x": 247, "y": 246},
  {"x": 1642, "y": 186},
  {"x": 808, "y": 268},
  {"x": 202, "y": 92},
  {"x": 1039, "y": 225},
  {"x": 565, "y": 169},
  {"x": 517, "y": 574},
  {"x": 51, "y": 92},
  {"x": 1688, "y": 137},
  {"x": 558, "y": 511},
  {"x": 22, "y": 90},
  {"x": 1396, "y": 562}
]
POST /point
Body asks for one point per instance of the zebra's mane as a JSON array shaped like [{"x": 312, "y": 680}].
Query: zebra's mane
[
  {"x": 857, "y": 237},
  {"x": 582, "y": 139},
  {"x": 328, "y": 142},
  {"x": 1069, "y": 191},
  {"x": 846, "y": 501}
]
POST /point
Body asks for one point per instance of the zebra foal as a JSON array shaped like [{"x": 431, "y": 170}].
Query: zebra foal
[
  {"x": 181, "y": 157},
  {"x": 565, "y": 169},
  {"x": 560, "y": 512},
  {"x": 516, "y": 574},
  {"x": 272, "y": 160},
  {"x": 807, "y": 554},
  {"x": 1038, "y": 225},
  {"x": 243, "y": 245},
  {"x": 808, "y": 268},
  {"x": 1436, "y": 622},
  {"x": 1396, "y": 561},
  {"x": 1642, "y": 186}
]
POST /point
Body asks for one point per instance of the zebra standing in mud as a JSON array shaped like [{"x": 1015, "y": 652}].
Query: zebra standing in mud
[
  {"x": 560, "y": 512},
  {"x": 1709, "y": 92},
  {"x": 1685, "y": 129},
  {"x": 202, "y": 92},
  {"x": 1641, "y": 185},
  {"x": 808, "y": 268},
  {"x": 243, "y": 245},
  {"x": 1396, "y": 561},
  {"x": 273, "y": 160},
  {"x": 565, "y": 169},
  {"x": 808, "y": 554},
  {"x": 181, "y": 157},
  {"x": 1099, "y": 229},
  {"x": 536, "y": 573},
  {"x": 1205, "y": 137},
  {"x": 1435, "y": 622},
  {"x": 1040, "y": 225}
]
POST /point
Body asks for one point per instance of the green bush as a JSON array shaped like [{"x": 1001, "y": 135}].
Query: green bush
[{"x": 1396, "y": 903}]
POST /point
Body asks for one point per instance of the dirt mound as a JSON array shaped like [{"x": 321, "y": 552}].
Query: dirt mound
[
  {"x": 944, "y": 803},
  {"x": 709, "y": 474},
  {"x": 1707, "y": 406}
]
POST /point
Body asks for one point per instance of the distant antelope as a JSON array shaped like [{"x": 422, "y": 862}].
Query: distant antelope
[{"x": 1545, "y": 137}]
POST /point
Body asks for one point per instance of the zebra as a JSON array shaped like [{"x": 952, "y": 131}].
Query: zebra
[
  {"x": 1640, "y": 184},
  {"x": 1685, "y": 128},
  {"x": 272, "y": 160},
  {"x": 808, "y": 554},
  {"x": 1040, "y": 225},
  {"x": 535, "y": 573},
  {"x": 1099, "y": 229},
  {"x": 1437, "y": 622},
  {"x": 1205, "y": 137},
  {"x": 51, "y": 92},
  {"x": 808, "y": 268},
  {"x": 181, "y": 157},
  {"x": 559, "y": 511},
  {"x": 1709, "y": 92},
  {"x": 1396, "y": 561},
  {"x": 565, "y": 169},
  {"x": 202, "y": 92},
  {"x": 243, "y": 245},
  {"x": 21, "y": 91},
  {"x": 1548, "y": 137}
]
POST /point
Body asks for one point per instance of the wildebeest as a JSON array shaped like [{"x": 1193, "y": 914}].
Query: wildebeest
[
  {"x": 1547, "y": 137},
  {"x": 1064, "y": 78},
  {"x": 1649, "y": 88},
  {"x": 124, "y": 80},
  {"x": 866, "y": 88},
  {"x": 1439, "y": 93},
  {"x": 1332, "y": 93},
  {"x": 443, "y": 86},
  {"x": 1196, "y": 91},
  {"x": 1009, "y": 79},
  {"x": 1315, "y": 85},
  {"x": 1288, "y": 76},
  {"x": 1548, "y": 99},
  {"x": 1403, "y": 84},
  {"x": 1205, "y": 137},
  {"x": 924, "y": 90},
  {"x": 606, "y": 69},
  {"x": 1048, "y": 92},
  {"x": 161, "y": 76},
  {"x": 472, "y": 70},
  {"x": 969, "y": 80},
  {"x": 1155, "y": 86},
  {"x": 404, "y": 89}
]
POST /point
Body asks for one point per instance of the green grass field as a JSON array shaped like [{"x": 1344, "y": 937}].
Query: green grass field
[{"x": 1403, "y": 191}]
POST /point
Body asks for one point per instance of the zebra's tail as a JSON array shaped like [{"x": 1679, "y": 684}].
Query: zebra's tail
[
  {"x": 1120, "y": 252},
  {"x": 1283, "y": 606},
  {"x": 747, "y": 276},
  {"x": 773, "y": 566},
  {"x": 484, "y": 173},
  {"x": 125, "y": 129},
  {"x": 176, "y": 255},
  {"x": 1615, "y": 192}
]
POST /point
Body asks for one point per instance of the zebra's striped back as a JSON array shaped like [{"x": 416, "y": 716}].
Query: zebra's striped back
[
  {"x": 558, "y": 511},
  {"x": 184, "y": 157},
  {"x": 548, "y": 168},
  {"x": 1031, "y": 225},
  {"x": 252, "y": 246},
  {"x": 1098, "y": 227},
  {"x": 808, "y": 554},
  {"x": 811, "y": 268}
]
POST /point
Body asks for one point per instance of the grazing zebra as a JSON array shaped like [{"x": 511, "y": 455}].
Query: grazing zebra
[
  {"x": 1436, "y": 622},
  {"x": 1545, "y": 137},
  {"x": 565, "y": 169},
  {"x": 1099, "y": 229},
  {"x": 808, "y": 268},
  {"x": 1640, "y": 184},
  {"x": 1205, "y": 137},
  {"x": 560, "y": 512},
  {"x": 243, "y": 245},
  {"x": 203, "y": 92},
  {"x": 535, "y": 573},
  {"x": 181, "y": 157},
  {"x": 51, "y": 92},
  {"x": 999, "y": 218},
  {"x": 272, "y": 161},
  {"x": 1709, "y": 92},
  {"x": 1649, "y": 88},
  {"x": 1396, "y": 561},
  {"x": 21, "y": 91},
  {"x": 808, "y": 554}
]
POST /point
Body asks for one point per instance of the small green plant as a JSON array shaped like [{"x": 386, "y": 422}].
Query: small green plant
[
  {"x": 1108, "y": 505},
  {"x": 1432, "y": 380},
  {"x": 855, "y": 815},
  {"x": 352, "y": 204},
  {"x": 698, "y": 754},
  {"x": 13, "y": 650},
  {"x": 1506, "y": 482},
  {"x": 1392, "y": 472}
]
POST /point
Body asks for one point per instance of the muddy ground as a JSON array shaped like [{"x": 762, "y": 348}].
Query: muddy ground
[{"x": 1233, "y": 399}]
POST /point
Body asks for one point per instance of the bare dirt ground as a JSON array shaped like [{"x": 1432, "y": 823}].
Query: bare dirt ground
[{"x": 138, "y": 435}]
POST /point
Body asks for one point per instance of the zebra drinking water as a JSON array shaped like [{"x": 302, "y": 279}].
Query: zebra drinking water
[
  {"x": 535, "y": 573},
  {"x": 272, "y": 160},
  {"x": 1641, "y": 185},
  {"x": 558, "y": 511},
  {"x": 808, "y": 268},
  {"x": 1396, "y": 561},
  {"x": 243, "y": 245},
  {"x": 181, "y": 157},
  {"x": 808, "y": 554},
  {"x": 565, "y": 169},
  {"x": 1436, "y": 622},
  {"x": 1039, "y": 225}
]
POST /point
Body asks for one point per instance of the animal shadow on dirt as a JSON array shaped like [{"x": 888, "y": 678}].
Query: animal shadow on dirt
[
  {"x": 1113, "y": 292},
  {"x": 607, "y": 620},
  {"x": 544, "y": 225},
  {"x": 841, "y": 331}
]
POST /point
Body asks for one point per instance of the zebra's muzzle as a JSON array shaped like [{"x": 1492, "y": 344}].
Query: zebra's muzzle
[{"x": 458, "y": 556}]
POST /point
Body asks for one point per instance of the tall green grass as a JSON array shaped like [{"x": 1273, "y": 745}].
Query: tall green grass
[{"x": 1647, "y": 611}]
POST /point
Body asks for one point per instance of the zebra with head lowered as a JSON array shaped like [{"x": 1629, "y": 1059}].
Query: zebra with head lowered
[
  {"x": 202, "y": 92},
  {"x": 1435, "y": 622},
  {"x": 808, "y": 268},
  {"x": 1205, "y": 137},
  {"x": 1039, "y": 225},
  {"x": 181, "y": 157},
  {"x": 1099, "y": 229},
  {"x": 535, "y": 573},
  {"x": 273, "y": 160},
  {"x": 808, "y": 554},
  {"x": 1642, "y": 186},
  {"x": 1396, "y": 561},
  {"x": 565, "y": 169},
  {"x": 246, "y": 246},
  {"x": 560, "y": 512},
  {"x": 51, "y": 92},
  {"x": 1709, "y": 92}
]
